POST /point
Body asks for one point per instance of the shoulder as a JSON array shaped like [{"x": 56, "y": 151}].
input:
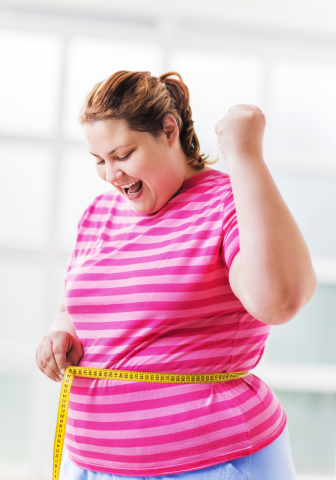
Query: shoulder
[
  {"x": 218, "y": 181},
  {"x": 100, "y": 206},
  {"x": 104, "y": 200}
]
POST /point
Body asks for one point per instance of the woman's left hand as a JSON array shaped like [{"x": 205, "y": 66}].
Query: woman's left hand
[
  {"x": 240, "y": 132},
  {"x": 272, "y": 275}
]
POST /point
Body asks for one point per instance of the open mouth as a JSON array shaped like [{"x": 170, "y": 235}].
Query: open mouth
[{"x": 134, "y": 190}]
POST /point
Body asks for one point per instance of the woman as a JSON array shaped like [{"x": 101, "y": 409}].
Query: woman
[{"x": 161, "y": 280}]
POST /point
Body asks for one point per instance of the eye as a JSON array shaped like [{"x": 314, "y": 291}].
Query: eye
[
  {"x": 124, "y": 158},
  {"x": 102, "y": 162}
]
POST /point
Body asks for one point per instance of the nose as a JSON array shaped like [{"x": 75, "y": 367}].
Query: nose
[{"x": 113, "y": 172}]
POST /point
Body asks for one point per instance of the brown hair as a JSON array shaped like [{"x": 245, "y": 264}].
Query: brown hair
[{"x": 143, "y": 100}]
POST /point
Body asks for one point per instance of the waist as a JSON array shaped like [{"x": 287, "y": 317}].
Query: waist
[{"x": 154, "y": 377}]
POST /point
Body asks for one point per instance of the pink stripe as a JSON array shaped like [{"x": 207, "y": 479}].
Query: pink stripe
[
  {"x": 169, "y": 455},
  {"x": 192, "y": 270},
  {"x": 152, "y": 293},
  {"x": 150, "y": 307},
  {"x": 159, "y": 439},
  {"x": 163, "y": 287}
]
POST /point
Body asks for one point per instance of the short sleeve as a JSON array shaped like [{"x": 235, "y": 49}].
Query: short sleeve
[{"x": 230, "y": 246}]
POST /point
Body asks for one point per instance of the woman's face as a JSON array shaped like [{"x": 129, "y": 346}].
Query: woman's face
[{"x": 124, "y": 156}]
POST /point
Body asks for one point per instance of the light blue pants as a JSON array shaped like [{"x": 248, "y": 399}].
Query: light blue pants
[{"x": 273, "y": 462}]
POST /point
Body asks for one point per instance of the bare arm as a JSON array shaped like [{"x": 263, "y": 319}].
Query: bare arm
[
  {"x": 59, "y": 348},
  {"x": 62, "y": 322},
  {"x": 272, "y": 274}
]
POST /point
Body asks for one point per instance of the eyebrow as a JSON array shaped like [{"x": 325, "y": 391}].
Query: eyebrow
[{"x": 112, "y": 151}]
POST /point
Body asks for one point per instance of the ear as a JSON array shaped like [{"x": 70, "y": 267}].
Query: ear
[{"x": 170, "y": 129}]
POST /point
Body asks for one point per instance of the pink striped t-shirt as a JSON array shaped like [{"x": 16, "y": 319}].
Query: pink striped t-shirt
[{"x": 151, "y": 293}]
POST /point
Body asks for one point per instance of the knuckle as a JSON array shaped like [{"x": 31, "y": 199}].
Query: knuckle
[
  {"x": 59, "y": 333},
  {"x": 58, "y": 350}
]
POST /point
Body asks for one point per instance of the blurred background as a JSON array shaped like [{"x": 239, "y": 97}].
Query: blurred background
[{"x": 278, "y": 55}]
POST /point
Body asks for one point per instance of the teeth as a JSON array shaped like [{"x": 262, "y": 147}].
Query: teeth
[
  {"x": 129, "y": 185},
  {"x": 129, "y": 194}
]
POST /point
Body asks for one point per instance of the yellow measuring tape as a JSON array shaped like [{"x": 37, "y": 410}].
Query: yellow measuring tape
[{"x": 133, "y": 376}]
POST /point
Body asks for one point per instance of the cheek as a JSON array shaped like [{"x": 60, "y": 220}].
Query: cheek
[{"x": 167, "y": 185}]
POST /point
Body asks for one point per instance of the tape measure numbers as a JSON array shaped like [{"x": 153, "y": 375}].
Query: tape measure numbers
[{"x": 134, "y": 376}]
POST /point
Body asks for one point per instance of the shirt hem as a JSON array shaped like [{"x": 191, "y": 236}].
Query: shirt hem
[{"x": 187, "y": 467}]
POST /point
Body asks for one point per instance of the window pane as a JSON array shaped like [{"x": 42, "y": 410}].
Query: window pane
[
  {"x": 25, "y": 198},
  {"x": 30, "y": 72},
  {"x": 22, "y": 288},
  {"x": 312, "y": 202},
  {"x": 15, "y": 408},
  {"x": 92, "y": 60},
  {"x": 312, "y": 427},
  {"x": 303, "y": 111},
  {"x": 216, "y": 81},
  {"x": 80, "y": 185},
  {"x": 310, "y": 336}
]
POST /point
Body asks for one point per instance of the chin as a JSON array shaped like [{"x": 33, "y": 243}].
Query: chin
[{"x": 142, "y": 211}]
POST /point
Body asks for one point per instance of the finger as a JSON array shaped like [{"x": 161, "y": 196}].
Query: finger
[
  {"x": 60, "y": 349},
  {"x": 49, "y": 359},
  {"x": 75, "y": 354},
  {"x": 44, "y": 368},
  {"x": 73, "y": 359},
  {"x": 217, "y": 127},
  {"x": 51, "y": 374},
  {"x": 40, "y": 362},
  {"x": 257, "y": 109}
]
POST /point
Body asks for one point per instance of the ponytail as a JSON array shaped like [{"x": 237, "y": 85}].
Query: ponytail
[{"x": 143, "y": 101}]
